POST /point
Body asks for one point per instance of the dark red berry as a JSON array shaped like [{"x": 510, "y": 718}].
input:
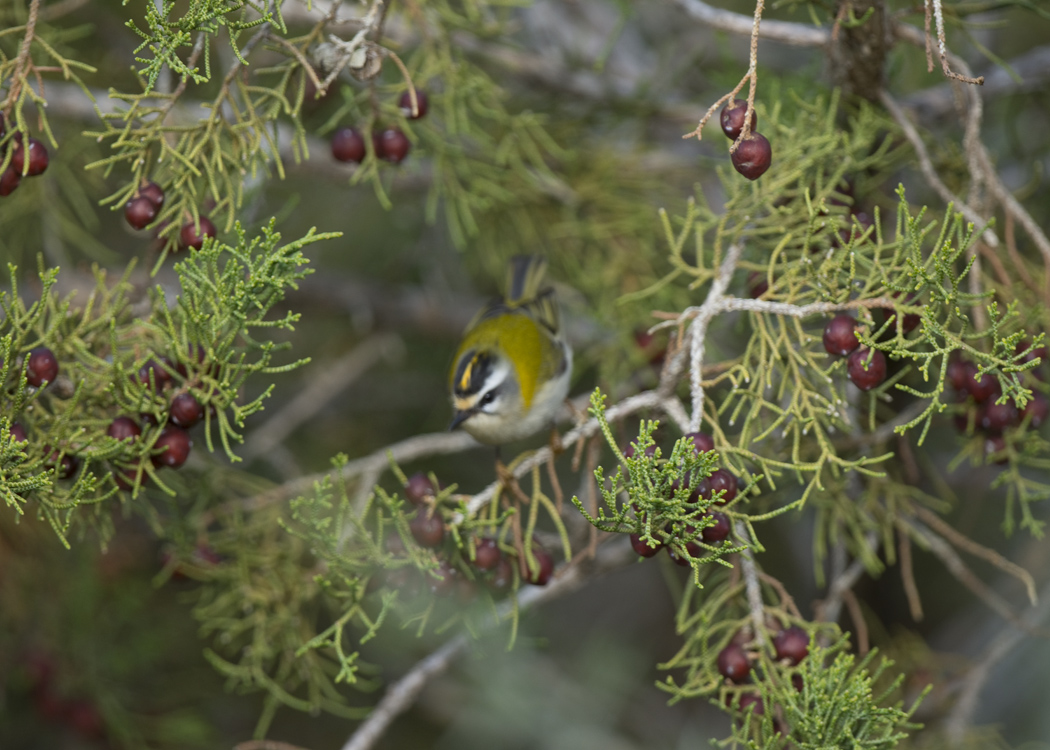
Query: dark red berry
[
  {"x": 677, "y": 556},
  {"x": 757, "y": 285},
  {"x": 752, "y": 699},
  {"x": 428, "y": 529},
  {"x": 631, "y": 450},
  {"x": 42, "y": 367},
  {"x": 503, "y": 577},
  {"x": 840, "y": 335},
  {"x": 1037, "y": 410},
  {"x": 655, "y": 349},
  {"x": 994, "y": 418},
  {"x": 702, "y": 442},
  {"x": 792, "y": 644},
  {"x": 487, "y": 554},
  {"x": 544, "y": 569},
  {"x": 866, "y": 375},
  {"x": 909, "y": 322},
  {"x": 154, "y": 193},
  {"x": 982, "y": 387},
  {"x": 719, "y": 532},
  {"x": 418, "y": 488},
  {"x": 154, "y": 372},
  {"x": 348, "y": 145},
  {"x": 643, "y": 548},
  {"x": 9, "y": 180},
  {"x": 733, "y": 663},
  {"x": 18, "y": 432},
  {"x": 442, "y": 581},
  {"x": 392, "y": 145},
  {"x": 124, "y": 428},
  {"x": 996, "y": 444},
  {"x": 66, "y": 466},
  {"x": 125, "y": 478},
  {"x": 732, "y": 118},
  {"x": 405, "y": 104},
  {"x": 140, "y": 212},
  {"x": 185, "y": 410},
  {"x": 190, "y": 236},
  {"x": 753, "y": 156},
  {"x": 721, "y": 479},
  {"x": 175, "y": 443},
  {"x": 958, "y": 372},
  {"x": 38, "y": 158}
]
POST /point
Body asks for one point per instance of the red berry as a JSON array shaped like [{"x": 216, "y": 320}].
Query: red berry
[
  {"x": 190, "y": 236},
  {"x": 749, "y": 699},
  {"x": 753, "y": 156},
  {"x": 1037, "y": 410},
  {"x": 405, "y": 104},
  {"x": 418, "y": 488},
  {"x": 18, "y": 432},
  {"x": 717, "y": 533},
  {"x": 792, "y": 644},
  {"x": 631, "y": 449},
  {"x": 702, "y": 442},
  {"x": 757, "y": 285},
  {"x": 732, "y": 118},
  {"x": 721, "y": 479},
  {"x": 678, "y": 557},
  {"x": 155, "y": 372},
  {"x": 866, "y": 375},
  {"x": 487, "y": 554},
  {"x": 442, "y": 581},
  {"x": 428, "y": 529},
  {"x": 655, "y": 350},
  {"x": 643, "y": 548},
  {"x": 958, "y": 372},
  {"x": 348, "y": 145},
  {"x": 392, "y": 145},
  {"x": 840, "y": 336},
  {"x": 733, "y": 663},
  {"x": 994, "y": 418},
  {"x": 503, "y": 577},
  {"x": 185, "y": 410},
  {"x": 140, "y": 212},
  {"x": 37, "y": 157},
  {"x": 42, "y": 367},
  {"x": 153, "y": 193},
  {"x": 124, "y": 428},
  {"x": 175, "y": 443},
  {"x": 982, "y": 388},
  {"x": 9, "y": 180},
  {"x": 545, "y": 567},
  {"x": 909, "y": 322},
  {"x": 996, "y": 444}
]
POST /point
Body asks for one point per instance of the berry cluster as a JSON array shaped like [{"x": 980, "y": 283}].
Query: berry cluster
[
  {"x": 978, "y": 395},
  {"x": 144, "y": 208},
  {"x": 390, "y": 144},
  {"x": 29, "y": 158},
  {"x": 866, "y": 368},
  {"x": 791, "y": 646},
  {"x": 753, "y": 155},
  {"x": 491, "y": 564},
  {"x": 720, "y": 481}
]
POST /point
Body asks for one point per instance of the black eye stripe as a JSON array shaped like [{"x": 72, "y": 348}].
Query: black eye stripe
[{"x": 472, "y": 372}]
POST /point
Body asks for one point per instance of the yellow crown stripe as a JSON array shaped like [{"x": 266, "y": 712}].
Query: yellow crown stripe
[{"x": 464, "y": 382}]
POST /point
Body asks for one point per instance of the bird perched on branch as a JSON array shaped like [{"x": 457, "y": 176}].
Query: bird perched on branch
[{"x": 511, "y": 372}]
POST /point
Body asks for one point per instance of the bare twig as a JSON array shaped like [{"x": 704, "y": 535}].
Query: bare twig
[
  {"x": 23, "y": 61},
  {"x": 752, "y": 588},
  {"x": 325, "y": 384},
  {"x": 796, "y": 34},
  {"x": 942, "y": 46},
  {"x": 828, "y": 610},
  {"x": 908, "y": 576},
  {"x": 857, "y": 616},
  {"x": 402, "y": 694}
]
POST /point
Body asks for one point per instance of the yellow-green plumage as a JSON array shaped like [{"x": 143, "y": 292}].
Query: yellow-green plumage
[{"x": 511, "y": 372}]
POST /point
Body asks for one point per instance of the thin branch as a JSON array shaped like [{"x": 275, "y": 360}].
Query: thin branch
[
  {"x": 942, "y": 46},
  {"x": 796, "y": 34},
  {"x": 402, "y": 694},
  {"x": 752, "y": 587},
  {"x": 325, "y": 384},
  {"x": 828, "y": 610},
  {"x": 908, "y": 576},
  {"x": 857, "y": 616},
  {"x": 23, "y": 60},
  {"x": 698, "y": 331}
]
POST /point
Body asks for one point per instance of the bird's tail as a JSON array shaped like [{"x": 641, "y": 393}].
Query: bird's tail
[{"x": 527, "y": 287}]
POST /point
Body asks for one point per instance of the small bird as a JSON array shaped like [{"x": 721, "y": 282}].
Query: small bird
[{"x": 511, "y": 372}]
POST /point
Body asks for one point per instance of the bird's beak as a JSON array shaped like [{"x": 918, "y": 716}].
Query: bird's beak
[{"x": 461, "y": 416}]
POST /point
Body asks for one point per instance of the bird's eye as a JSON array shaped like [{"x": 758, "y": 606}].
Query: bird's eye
[{"x": 487, "y": 399}]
